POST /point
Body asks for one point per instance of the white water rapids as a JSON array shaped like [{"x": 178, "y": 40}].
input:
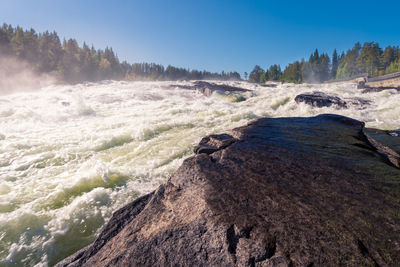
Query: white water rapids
[{"x": 72, "y": 155}]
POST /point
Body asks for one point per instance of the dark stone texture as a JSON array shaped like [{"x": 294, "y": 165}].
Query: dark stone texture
[
  {"x": 207, "y": 88},
  {"x": 213, "y": 143},
  {"x": 370, "y": 89},
  {"x": 321, "y": 99},
  {"x": 318, "y": 191}
]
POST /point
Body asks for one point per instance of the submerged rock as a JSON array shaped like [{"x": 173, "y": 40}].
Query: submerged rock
[
  {"x": 320, "y": 191},
  {"x": 321, "y": 99}
]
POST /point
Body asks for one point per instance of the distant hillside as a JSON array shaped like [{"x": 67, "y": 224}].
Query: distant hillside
[
  {"x": 73, "y": 63},
  {"x": 369, "y": 58}
]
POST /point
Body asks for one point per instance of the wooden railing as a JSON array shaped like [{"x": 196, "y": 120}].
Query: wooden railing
[
  {"x": 362, "y": 75},
  {"x": 365, "y": 75}
]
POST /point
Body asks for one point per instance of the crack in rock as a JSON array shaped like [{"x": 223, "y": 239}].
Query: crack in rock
[{"x": 389, "y": 155}]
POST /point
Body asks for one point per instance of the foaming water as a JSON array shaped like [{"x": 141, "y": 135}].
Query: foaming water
[{"x": 72, "y": 155}]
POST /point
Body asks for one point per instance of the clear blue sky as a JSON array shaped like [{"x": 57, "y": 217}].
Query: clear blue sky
[{"x": 210, "y": 34}]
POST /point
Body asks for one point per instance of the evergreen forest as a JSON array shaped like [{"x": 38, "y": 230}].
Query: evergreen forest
[
  {"x": 72, "y": 63},
  {"x": 368, "y": 59}
]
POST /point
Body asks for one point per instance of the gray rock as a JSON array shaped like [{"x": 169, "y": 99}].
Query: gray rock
[
  {"x": 321, "y": 99},
  {"x": 374, "y": 89},
  {"x": 207, "y": 88}
]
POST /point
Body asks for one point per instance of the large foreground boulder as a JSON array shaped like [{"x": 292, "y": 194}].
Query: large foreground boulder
[{"x": 319, "y": 191}]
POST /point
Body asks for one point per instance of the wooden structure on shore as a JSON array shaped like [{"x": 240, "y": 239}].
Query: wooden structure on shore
[{"x": 386, "y": 81}]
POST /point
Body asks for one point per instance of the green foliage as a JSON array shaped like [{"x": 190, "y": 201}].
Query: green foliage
[
  {"x": 393, "y": 67},
  {"x": 263, "y": 77},
  {"x": 256, "y": 75},
  {"x": 368, "y": 59},
  {"x": 293, "y": 73},
  {"x": 389, "y": 56},
  {"x": 343, "y": 72},
  {"x": 5, "y": 46},
  {"x": 274, "y": 73},
  {"x": 335, "y": 64},
  {"x": 317, "y": 69},
  {"x": 73, "y": 63}
]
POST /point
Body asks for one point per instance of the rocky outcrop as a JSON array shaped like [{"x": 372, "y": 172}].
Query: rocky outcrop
[
  {"x": 207, "y": 88},
  {"x": 321, "y": 99},
  {"x": 320, "y": 191},
  {"x": 372, "y": 89}
]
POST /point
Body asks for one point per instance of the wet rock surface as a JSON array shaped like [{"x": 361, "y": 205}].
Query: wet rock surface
[
  {"x": 372, "y": 89},
  {"x": 317, "y": 191},
  {"x": 213, "y": 143},
  {"x": 207, "y": 88},
  {"x": 321, "y": 99}
]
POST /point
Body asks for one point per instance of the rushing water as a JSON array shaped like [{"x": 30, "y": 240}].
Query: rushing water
[{"x": 72, "y": 155}]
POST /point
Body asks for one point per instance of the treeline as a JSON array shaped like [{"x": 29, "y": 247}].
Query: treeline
[
  {"x": 368, "y": 59},
  {"x": 73, "y": 63}
]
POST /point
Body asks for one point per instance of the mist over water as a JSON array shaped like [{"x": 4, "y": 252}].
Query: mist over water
[
  {"x": 72, "y": 155},
  {"x": 19, "y": 76}
]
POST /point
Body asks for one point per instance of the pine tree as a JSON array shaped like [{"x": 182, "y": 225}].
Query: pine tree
[
  {"x": 388, "y": 56},
  {"x": 5, "y": 47},
  {"x": 17, "y": 42},
  {"x": 293, "y": 73},
  {"x": 255, "y": 74},
  {"x": 274, "y": 73},
  {"x": 335, "y": 64},
  {"x": 369, "y": 59}
]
